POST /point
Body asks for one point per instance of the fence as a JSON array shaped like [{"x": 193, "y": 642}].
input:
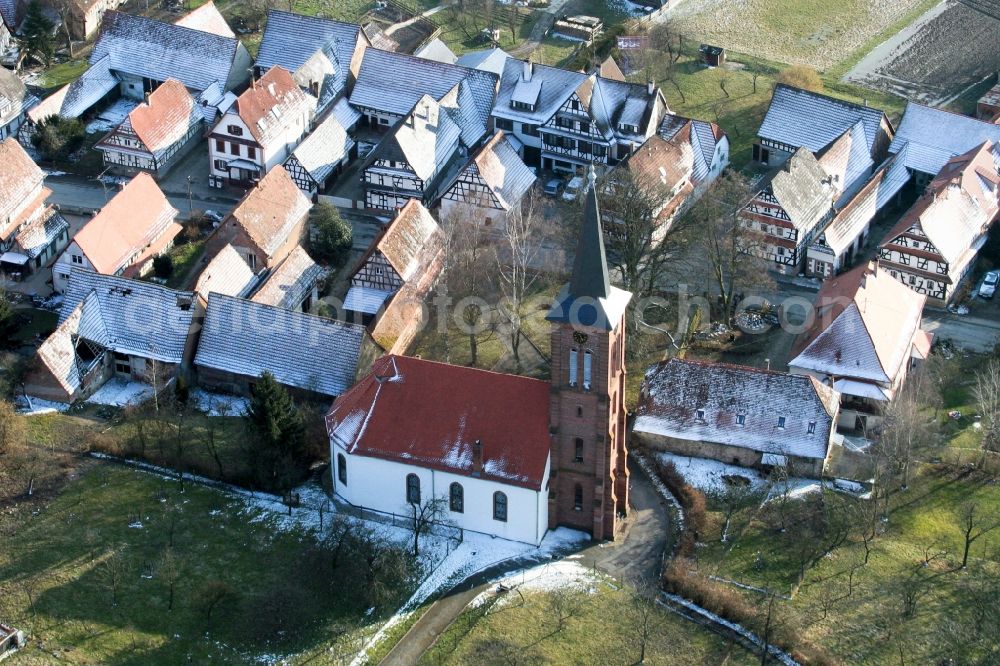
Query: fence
[{"x": 443, "y": 530}]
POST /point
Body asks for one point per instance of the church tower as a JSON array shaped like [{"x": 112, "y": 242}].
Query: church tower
[{"x": 588, "y": 487}]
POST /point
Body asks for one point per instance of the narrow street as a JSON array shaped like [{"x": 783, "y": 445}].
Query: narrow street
[{"x": 78, "y": 195}]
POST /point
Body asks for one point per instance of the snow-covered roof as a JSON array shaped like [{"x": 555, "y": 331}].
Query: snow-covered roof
[
  {"x": 933, "y": 136},
  {"x": 227, "y": 273},
  {"x": 207, "y": 18},
  {"x": 409, "y": 242},
  {"x": 437, "y": 51},
  {"x": 323, "y": 149},
  {"x": 426, "y": 139},
  {"x": 14, "y": 97},
  {"x": 848, "y": 162},
  {"x": 365, "y": 299},
  {"x": 19, "y": 177},
  {"x": 800, "y": 186},
  {"x": 703, "y": 135},
  {"x": 290, "y": 40},
  {"x": 163, "y": 121},
  {"x": 272, "y": 104},
  {"x": 42, "y": 233},
  {"x": 488, "y": 60},
  {"x": 531, "y": 83},
  {"x": 801, "y": 118},
  {"x": 737, "y": 406},
  {"x": 431, "y": 415},
  {"x": 864, "y": 325},
  {"x": 130, "y": 316},
  {"x": 301, "y": 350},
  {"x": 850, "y": 221},
  {"x": 288, "y": 285},
  {"x": 346, "y": 114},
  {"x": 74, "y": 99},
  {"x": 270, "y": 211},
  {"x": 501, "y": 170}
]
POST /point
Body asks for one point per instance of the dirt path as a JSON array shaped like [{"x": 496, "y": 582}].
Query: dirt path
[
  {"x": 637, "y": 555},
  {"x": 542, "y": 25}
]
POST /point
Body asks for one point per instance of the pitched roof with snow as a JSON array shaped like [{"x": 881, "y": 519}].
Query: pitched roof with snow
[
  {"x": 801, "y": 118},
  {"x": 488, "y": 60},
  {"x": 450, "y": 408},
  {"x": 271, "y": 104},
  {"x": 302, "y": 351},
  {"x": 14, "y": 96},
  {"x": 393, "y": 83},
  {"x": 138, "y": 221},
  {"x": 799, "y": 186},
  {"x": 290, "y": 40},
  {"x": 289, "y": 284},
  {"x": 270, "y": 211},
  {"x": 207, "y": 18},
  {"x": 932, "y": 136},
  {"x": 737, "y": 406},
  {"x": 19, "y": 177},
  {"x": 228, "y": 274},
  {"x": 426, "y": 139},
  {"x": 703, "y": 136},
  {"x": 74, "y": 99},
  {"x": 152, "y": 49},
  {"x": 409, "y": 240},
  {"x": 437, "y": 51},
  {"x": 502, "y": 171},
  {"x": 323, "y": 149},
  {"x": 848, "y": 162},
  {"x": 165, "y": 119},
  {"x": 546, "y": 89},
  {"x": 863, "y": 329}
]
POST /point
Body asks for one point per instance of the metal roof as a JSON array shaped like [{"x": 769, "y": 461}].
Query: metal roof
[{"x": 933, "y": 136}]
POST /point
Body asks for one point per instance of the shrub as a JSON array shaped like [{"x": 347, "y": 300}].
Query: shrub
[
  {"x": 801, "y": 76},
  {"x": 332, "y": 238},
  {"x": 56, "y": 137},
  {"x": 163, "y": 265}
]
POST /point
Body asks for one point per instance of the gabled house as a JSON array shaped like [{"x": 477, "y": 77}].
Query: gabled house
[
  {"x": 487, "y": 60},
  {"x": 15, "y": 102},
  {"x": 84, "y": 17},
  {"x": 267, "y": 224},
  {"x": 321, "y": 156},
  {"x": 863, "y": 340},
  {"x": 390, "y": 84},
  {"x": 124, "y": 237},
  {"x": 32, "y": 232},
  {"x": 391, "y": 280},
  {"x": 311, "y": 356},
  {"x": 709, "y": 147},
  {"x": 108, "y": 326},
  {"x": 293, "y": 284},
  {"x": 207, "y": 18},
  {"x": 323, "y": 55},
  {"x": 156, "y": 134},
  {"x": 799, "y": 118},
  {"x": 10, "y": 18},
  {"x": 227, "y": 274},
  {"x": 791, "y": 207},
  {"x": 490, "y": 186},
  {"x": 568, "y": 120},
  {"x": 259, "y": 131},
  {"x": 933, "y": 247},
  {"x": 416, "y": 160},
  {"x": 737, "y": 414},
  {"x": 437, "y": 51}
]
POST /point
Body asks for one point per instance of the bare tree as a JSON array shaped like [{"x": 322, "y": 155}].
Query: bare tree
[
  {"x": 465, "y": 276},
  {"x": 733, "y": 499},
  {"x": 974, "y": 525},
  {"x": 905, "y": 427},
  {"x": 211, "y": 435},
  {"x": 563, "y": 603},
  {"x": 667, "y": 38},
  {"x": 424, "y": 514},
  {"x": 169, "y": 570},
  {"x": 113, "y": 570},
  {"x": 640, "y": 609},
  {"x": 64, "y": 8},
  {"x": 212, "y": 595},
  {"x": 987, "y": 395},
  {"x": 157, "y": 375}
]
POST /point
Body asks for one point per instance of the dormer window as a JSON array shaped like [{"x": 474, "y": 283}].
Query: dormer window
[
  {"x": 700, "y": 414},
  {"x": 630, "y": 129},
  {"x": 522, "y": 106},
  {"x": 812, "y": 428},
  {"x": 781, "y": 421},
  {"x": 741, "y": 419}
]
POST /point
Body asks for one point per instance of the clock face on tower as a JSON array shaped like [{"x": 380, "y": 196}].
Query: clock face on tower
[{"x": 579, "y": 337}]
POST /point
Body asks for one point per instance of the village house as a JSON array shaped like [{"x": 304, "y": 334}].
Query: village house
[
  {"x": 933, "y": 247},
  {"x": 437, "y": 51},
  {"x": 124, "y": 237},
  {"x": 737, "y": 414},
  {"x": 323, "y": 55},
  {"x": 10, "y": 19},
  {"x": 15, "y": 102},
  {"x": 988, "y": 106},
  {"x": 609, "y": 69},
  {"x": 259, "y": 131},
  {"x": 863, "y": 340},
  {"x": 322, "y": 155},
  {"x": 112, "y": 326},
  {"x": 416, "y": 431},
  {"x": 32, "y": 232},
  {"x": 791, "y": 206},
  {"x": 390, "y": 84},
  {"x": 490, "y": 187},
  {"x": 391, "y": 280},
  {"x": 579, "y": 27},
  {"x": 228, "y": 274},
  {"x": 709, "y": 147},
  {"x": 84, "y": 16},
  {"x": 567, "y": 120},
  {"x": 799, "y": 118},
  {"x": 416, "y": 160},
  {"x": 487, "y": 60},
  {"x": 134, "y": 55},
  {"x": 293, "y": 284},
  {"x": 207, "y": 18},
  {"x": 311, "y": 356},
  {"x": 267, "y": 224},
  {"x": 156, "y": 134}
]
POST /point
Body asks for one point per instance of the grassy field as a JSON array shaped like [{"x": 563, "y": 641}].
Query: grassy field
[
  {"x": 911, "y": 603},
  {"x": 601, "y": 629},
  {"x": 185, "y": 257},
  {"x": 89, "y": 578},
  {"x": 63, "y": 73}
]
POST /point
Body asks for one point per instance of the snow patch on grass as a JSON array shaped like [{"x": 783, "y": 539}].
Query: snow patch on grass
[
  {"x": 119, "y": 392},
  {"x": 218, "y": 404}
]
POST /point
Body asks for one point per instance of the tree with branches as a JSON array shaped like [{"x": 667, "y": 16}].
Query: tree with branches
[
  {"x": 987, "y": 396},
  {"x": 466, "y": 278},
  {"x": 975, "y": 523},
  {"x": 423, "y": 515}
]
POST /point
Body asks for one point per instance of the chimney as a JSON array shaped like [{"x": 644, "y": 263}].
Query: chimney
[
  {"x": 528, "y": 69},
  {"x": 477, "y": 457},
  {"x": 650, "y": 87}
]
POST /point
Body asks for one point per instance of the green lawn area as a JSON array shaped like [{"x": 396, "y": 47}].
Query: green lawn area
[
  {"x": 88, "y": 578},
  {"x": 63, "y": 73},
  {"x": 185, "y": 258},
  {"x": 601, "y": 629},
  {"x": 42, "y": 323}
]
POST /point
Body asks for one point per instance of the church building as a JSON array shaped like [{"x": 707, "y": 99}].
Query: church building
[{"x": 501, "y": 454}]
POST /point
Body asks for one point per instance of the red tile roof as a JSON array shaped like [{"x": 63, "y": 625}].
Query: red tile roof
[
  {"x": 18, "y": 178},
  {"x": 165, "y": 118},
  {"x": 270, "y": 103},
  {"x": 430, "y": 414}
]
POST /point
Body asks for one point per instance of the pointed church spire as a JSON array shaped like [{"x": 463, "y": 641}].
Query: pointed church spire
[{"x": 590, "y": 269}]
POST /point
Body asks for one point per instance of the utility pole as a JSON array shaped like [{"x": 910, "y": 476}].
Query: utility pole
[
  {"x": 190, "y": 200},
  {"x": 104, "y": 186}
]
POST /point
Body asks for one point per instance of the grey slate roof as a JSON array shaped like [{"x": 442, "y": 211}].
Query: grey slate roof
[
  {"x": 436, "y": 50},
  {"x": 393, "y": 82},
  {"x": 9, "y": 13},
  {"x": 703, "y": 141},
  {"x": 674, "y": 391},
  {"x": 346, "y": 114},
  {"x": 613, "y": 103},
  {"x": 13, "y": 91},
  {"x": 323, "y": 149},
  {"x": 291, "y": 39},
  {"x": 426, "y": 146},
  {"x": 798, "y": 187},
  {"x": 300, "y": 350},
  {"x": 228, "y": 273},
  {"x": 488, "y": 60},
  {"x": 933, "y": 136},
  {"x": 144, "y": 47},
  {"x": 130, "y": 316},
  {"x": 801, "y": 118},
  {"x": 503, "y": 171},
  {"x": 554, "y": 85},
  {"x": 40, "y": 234}
]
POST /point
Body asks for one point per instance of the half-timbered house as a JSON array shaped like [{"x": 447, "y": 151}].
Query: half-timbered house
[
  {"x": 933, "y": 247},
  {"x": 320, "y": 156},
  {"x": 490, "y": 186},
  {"x": 259, "y": 131},
  {"x": 124, "y": 237},
  {"x": 15, "y": 101},
  {"x": 416, "y": 160},
  {"x": 709, "y": 146},
  {"x": 791, "y": 206},
  {"x": 32, "y": 232},
  {"x": 155, "y": 134}
]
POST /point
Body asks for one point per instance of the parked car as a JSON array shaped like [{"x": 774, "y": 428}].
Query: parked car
[
  {"x": 989, "y": 285},
  {"x": 573, "y": 189},
  {"x": 554, "y": 187},
  {"x": 214, "y": 216}
]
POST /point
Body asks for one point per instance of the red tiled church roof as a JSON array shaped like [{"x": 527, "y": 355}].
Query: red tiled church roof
[{"x": 430, "y": 414}]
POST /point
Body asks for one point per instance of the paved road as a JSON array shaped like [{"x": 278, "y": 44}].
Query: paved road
[
  {"x": 635, "y": 556},
  {"x": 81, "y": 194},
  {"x": 975, "y": 334}
]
